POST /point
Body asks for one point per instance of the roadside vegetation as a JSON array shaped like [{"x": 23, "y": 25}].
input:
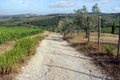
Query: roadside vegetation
[
  {"x": 83, "y": 31},
  {"x": 19, "y": 54}
]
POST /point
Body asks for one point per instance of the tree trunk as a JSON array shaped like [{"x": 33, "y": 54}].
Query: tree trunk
[
  {"x": 78, "y": 32},
  {"x": 113, "y": 28},
  {"x": 86, "y": 30}
]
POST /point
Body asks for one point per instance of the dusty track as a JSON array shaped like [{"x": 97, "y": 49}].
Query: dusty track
[{"x": 55, "y": 59}]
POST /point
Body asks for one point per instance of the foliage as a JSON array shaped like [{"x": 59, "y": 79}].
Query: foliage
[
  {"x": 80, "y": 17},
  {"x": 109, "y": 49},
  {"x": 20, "y": 51},
  {"x": 9, "y": 33},
  {"x": 95, "y": 9},
  {"x": 46, "y": 22},
  {"x": 67, "y": 25}
]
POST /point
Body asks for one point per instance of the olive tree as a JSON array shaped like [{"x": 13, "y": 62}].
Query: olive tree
[
  {"x": 67, "y": 25},
  {"x": 80, "y": 18}
]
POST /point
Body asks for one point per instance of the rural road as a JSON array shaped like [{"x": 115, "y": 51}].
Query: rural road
[{"x": 55, "y": 59}]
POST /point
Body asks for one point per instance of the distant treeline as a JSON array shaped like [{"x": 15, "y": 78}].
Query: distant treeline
[
  {"x": 45, "y": 22},
  {"x": 40, "y": 21}
]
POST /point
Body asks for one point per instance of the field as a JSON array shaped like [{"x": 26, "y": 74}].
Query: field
[
  {"x": 105, "y": 57},
  {"x": 108, "y": 30},
  {"x": 25, "y": 41},
  {"x": 10, "y": 33}
]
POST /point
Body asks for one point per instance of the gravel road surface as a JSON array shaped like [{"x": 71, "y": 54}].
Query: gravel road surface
[{"x": 55, "y": 59}]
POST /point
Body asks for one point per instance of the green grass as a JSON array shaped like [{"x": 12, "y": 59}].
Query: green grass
[
  {"x": 22, "y": 49},
  {"x": 108, "y": 30},
  {"x": 9, "y": 33}
]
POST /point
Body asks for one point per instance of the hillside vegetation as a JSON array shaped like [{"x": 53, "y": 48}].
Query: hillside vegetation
[{"x": 39, "y": 21}]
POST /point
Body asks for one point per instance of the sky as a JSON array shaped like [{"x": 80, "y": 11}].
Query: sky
[{"x": 43, "y": 7}]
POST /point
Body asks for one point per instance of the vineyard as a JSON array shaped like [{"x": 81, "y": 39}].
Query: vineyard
[
  {"x": 24, "y": 46},
  {"x": 9, "y": 33}
]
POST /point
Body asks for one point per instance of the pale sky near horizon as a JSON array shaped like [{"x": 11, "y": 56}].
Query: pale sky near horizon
[{"x": 12, "y": 7}]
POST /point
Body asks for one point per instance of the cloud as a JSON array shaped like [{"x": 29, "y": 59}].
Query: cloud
[
  {"x": 22, "y": 3},
  {"x": 63, "y": 3},
  {"x": 101, "y": 1},
  {"x": 105, "y": 1},
  {"x": 116, "y": 10},
  {"x": 26, "y": 3}
]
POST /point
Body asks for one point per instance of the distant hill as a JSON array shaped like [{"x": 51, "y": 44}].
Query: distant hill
[
  {"x": 57, "y": 14},
  {"x": 60, "y": 14},
  {"x": 18, "y": 16}
]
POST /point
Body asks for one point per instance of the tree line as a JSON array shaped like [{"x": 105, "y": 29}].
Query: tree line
[{"x": 82, "y": 20}]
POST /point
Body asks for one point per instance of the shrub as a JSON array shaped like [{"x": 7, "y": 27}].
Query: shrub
[{"x": 109, "y": 49}]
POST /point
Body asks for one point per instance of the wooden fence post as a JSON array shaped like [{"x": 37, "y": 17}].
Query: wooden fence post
[
  {"x": 99, "y": 30},
  {"x": 118, "y": 51},
  {"x": 88, "y": 29}
]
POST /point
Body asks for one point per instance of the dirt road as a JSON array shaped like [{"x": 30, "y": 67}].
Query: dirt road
[{"x": 57, "y": 60}]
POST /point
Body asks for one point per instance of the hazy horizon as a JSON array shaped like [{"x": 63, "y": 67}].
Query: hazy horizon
[{"x": 44, "y": 7}]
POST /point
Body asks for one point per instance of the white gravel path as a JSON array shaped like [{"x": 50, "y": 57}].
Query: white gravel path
[{"x": 56, "y": 60}]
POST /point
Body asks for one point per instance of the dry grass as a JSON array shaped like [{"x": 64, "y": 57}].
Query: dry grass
[
  {"x": 106, "y": 60},
  {"x": 6, "y": 46},
  {"x": 107, "y": 38}
]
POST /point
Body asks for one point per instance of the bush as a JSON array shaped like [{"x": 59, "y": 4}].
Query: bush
[{"x": 109, "y": 49}]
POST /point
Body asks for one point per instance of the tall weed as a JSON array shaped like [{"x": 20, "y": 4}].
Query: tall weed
[{"x": 20, "y": 51}]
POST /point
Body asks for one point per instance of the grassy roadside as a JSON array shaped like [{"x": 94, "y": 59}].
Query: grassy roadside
[
  {"x": 21, "y": 51},
  {"x": 105, "y": 57}
]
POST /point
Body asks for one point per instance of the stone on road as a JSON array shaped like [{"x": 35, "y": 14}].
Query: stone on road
[{"x": 55, "y": 59}]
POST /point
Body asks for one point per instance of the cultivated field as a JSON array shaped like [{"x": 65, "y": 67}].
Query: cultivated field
[
  {"x": 20, "y": 44},
  {"x": 10, "y": 33}
]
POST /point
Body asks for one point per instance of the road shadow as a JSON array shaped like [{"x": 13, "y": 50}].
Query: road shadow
[
  {"x": 61, "y": 54},
  {"x": 55, "y": 39},
  {"x": 80, "y": 72}
]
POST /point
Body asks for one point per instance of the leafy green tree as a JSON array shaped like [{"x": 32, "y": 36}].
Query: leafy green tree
[
  {"x": 67, "y": 26},
  {"x": 94, "y": 19},
  {"x": 84, "y": 9},
  {"x": 80, "y": 18},
  {"x": 95, "y": 9}
]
